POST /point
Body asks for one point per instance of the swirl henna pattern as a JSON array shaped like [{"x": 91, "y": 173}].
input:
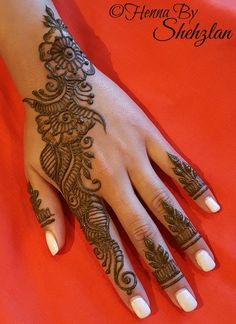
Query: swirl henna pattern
[{"x": 64, "y": 120}]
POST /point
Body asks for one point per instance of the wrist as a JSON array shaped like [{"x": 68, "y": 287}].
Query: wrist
[{"x": 21, "y": 32}]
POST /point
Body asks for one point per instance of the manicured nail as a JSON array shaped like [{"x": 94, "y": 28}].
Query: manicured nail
[
  {"x": 140, "y": 307},
  {"x": 212, "y": 204},
  {"x": 51, "y": 242},
  {"x": 186, "y": 300},
  {"x": 204, "y": 260}
]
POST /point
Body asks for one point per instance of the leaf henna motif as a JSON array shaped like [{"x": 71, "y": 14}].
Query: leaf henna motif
[
  {"x": 187, "y": 176},
  {"x": 49, "y": 162},
  {"x": 183, "y": 230},
  {"x": 165, "y": 271},
  {"x": 64, "y": 120}
]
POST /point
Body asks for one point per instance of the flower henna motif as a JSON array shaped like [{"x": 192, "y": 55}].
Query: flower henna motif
[
  {"x": 61, "y": 54},
  {"x": 67, "y": 54},
  {"x": 63, "y": 127},
  {"x": 64, "y": 120},
  {"x": 64, "y": 57}
]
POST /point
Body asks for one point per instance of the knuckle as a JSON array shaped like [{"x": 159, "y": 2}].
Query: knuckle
[
  {"x": 105, "y": 166},
  {"x": 158, "y": 197},
  {"x": 140, "y": 230}
]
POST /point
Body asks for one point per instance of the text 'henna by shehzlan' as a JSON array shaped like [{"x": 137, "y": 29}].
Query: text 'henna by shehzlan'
[
  {"x": 44, "y": 216},
  {"x": 165, "y": 271},
  {"x": 64, "y": 120},
  {"x": 183, "y": 230},
  {"x": 191, "y": 181}
]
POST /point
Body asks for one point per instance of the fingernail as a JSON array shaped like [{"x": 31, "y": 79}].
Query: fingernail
[
  {"x": 51, "y": 242},
  {"x": 204, "y": 260},
  {"x": 186, "y": 300},
  {"x": 140, "y": 307},
  {"x": 212, "y": 204}
]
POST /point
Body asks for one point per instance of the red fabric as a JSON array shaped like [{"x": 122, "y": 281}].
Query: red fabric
[{"x": 190, "y": 92}]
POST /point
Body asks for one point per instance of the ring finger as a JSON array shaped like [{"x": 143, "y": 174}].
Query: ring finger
[{"x": 168, "y": 211}]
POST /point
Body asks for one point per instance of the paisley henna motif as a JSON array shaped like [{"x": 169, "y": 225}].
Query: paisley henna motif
[{"x": 64, "y": 119}]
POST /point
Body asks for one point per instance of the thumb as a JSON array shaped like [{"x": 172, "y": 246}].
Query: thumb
[{"x": 48, "y": 211}]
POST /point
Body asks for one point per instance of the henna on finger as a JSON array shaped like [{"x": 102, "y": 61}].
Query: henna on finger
[
  {"x": 164, "y": 267},
  {"x": 43, "y": 215},
  {"x": 188, "y": 177},
  {"x": 180, "y": 226},
  {"x": 64, "y": 119}
]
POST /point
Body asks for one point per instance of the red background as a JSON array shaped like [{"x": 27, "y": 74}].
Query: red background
[{"x": 190, "y": 93}]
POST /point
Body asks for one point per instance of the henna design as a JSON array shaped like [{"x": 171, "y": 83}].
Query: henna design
[
  {"x": 193, "y": 184},
  {"x": 185, "y": 233},
  {"x": 44, "y": 216},
  {"x": 165, "y": 271},
  {"x": 64, "y": 120}
]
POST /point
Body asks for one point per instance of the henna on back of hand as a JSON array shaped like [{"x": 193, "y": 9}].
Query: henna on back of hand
[{"x": 64, "y": 120}]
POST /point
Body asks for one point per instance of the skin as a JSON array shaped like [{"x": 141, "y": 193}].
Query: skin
[{"x": 122, "y": 153}]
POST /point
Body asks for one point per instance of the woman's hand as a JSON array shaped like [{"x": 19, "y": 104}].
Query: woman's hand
[
  {"x": 93, "y": 144},
  {"x": 87, "y": 139}
]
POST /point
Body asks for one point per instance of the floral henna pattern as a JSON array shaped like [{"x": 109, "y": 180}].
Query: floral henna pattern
[
  {"x": 67, "y": 55},
  {"x": 44, "y": 216},
  {"x": 64, "y": 120},
  {"x": 191, "y": 181},
  {"x": 183, "y": 230},
  {"x": 165, "y": 271},
  {"x": 61, "y": 54}
]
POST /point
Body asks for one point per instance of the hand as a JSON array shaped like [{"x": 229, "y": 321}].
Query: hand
[{"x": 92, "y": 143}]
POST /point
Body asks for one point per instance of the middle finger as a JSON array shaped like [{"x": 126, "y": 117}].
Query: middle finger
[{"x": 149, "y": 243}]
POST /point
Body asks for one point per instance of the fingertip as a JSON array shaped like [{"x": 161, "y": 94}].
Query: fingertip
[
  {"x": 212, "y": 204},
  {"x": 55, "y": 232},
  {"x": 48, "y": 211},
  {"x": 204, "y": 260},
  {"x": 182, "y": 295},
  {"x": 208, "y": 202},
  {"x": 51, "y": 242},
  {"x": 140, "y": 307},
  {"x": 201, "y": 256},
  {"x": 186, "y": 300}
]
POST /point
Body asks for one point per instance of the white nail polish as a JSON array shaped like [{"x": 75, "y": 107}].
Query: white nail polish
[
  {"x": 204, "y": 260},
  {"x": 51, "y": 242},
  {"x": 140, "y": 307},
  {"x": 212, "y": 204},
  {"x": 186, "y": 300}
]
